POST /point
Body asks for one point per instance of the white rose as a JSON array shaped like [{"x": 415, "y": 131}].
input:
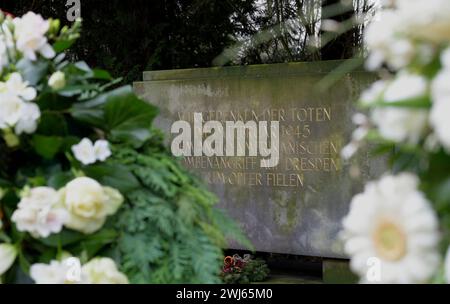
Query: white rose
[
  {"x": 8, "y": 254},
  {"x": 89, "y": 204},
  {"x": 84, "y": 152},
  {"x": 38, "y": 213},
  {"x": 57, "y": 80},
  {"x": 88, "y": 153},
  {"x": 20, "y": 88},
  {"x": 401, "y": 124},
  {"x": 103, "y": 271},
  {"x": 11, "y": 108},
  {"x": 28, "y": 119},
  {"x": 30, "y": 33},
  {"x": 67, "y": 271}
]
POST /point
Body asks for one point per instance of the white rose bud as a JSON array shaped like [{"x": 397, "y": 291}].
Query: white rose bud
[
  {"x": 57, "y": 80},
  {"x": 8, "y": 254},
  {"x": 84, "y": 152}
]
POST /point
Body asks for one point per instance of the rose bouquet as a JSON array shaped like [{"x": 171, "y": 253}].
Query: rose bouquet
[
  {"x": 397, "y": 230},
  {"x": 88, "y": 191}
]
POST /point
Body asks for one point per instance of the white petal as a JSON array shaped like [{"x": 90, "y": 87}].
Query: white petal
[{"x": 47, "y": 51}]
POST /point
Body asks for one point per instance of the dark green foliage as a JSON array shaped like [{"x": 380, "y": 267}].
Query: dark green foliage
[
  {"x": 169, "y": 227},
  {"x": 128, "y": 37}
]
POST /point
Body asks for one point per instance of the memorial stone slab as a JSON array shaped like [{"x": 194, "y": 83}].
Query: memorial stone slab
[{"x": 295, "y": 207}]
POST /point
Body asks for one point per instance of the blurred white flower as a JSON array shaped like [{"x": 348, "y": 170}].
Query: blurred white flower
[
  {"x": 360, "y": 119},
  {"x": 84, "y": 152},
  {"x": 3, "y": 54},
  {"x": 103, "y": 271},
  {"x": 439, "y": 120},
  {"x": 8, "y": 254},
  {"x": 428, "y": 20},
  {"x": 29, "y": 31},
  {"x": 447, "y": 266},
  {"x": 358, "y": 135},
  {"x": 38, "y": 213},
  {"x": 57, "y": 80},
  {"x": 405, "y": 86},
  {"x": 88, "y": 153},
  {"x": 349, "y": 150},
  {"x": 440, "y": 88},
  {"x": 67, "y": 271},
  {"x": 440, "y": 110},
  {"x": 400, "y": 124},
  {"x": 384, "y": 43},
  {"x": 88, "y": 204},
  {"x": 374, "y": 92},
  {"x": 102, "y": 151},
  {"x": 445, "y": 58},
  {"x": 29, "y": 118},
  {"x": 20, "y": 88},
  {"x": 393, "y": 222}
]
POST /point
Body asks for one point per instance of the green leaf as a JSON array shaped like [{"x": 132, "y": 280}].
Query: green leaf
[
  {"x": 52, "y": 101},
  {"x": 47, "y": 146},
  {"x": 70, "y": 91},
  {"x": 101, "y": 74},
  {"x": 121, "y": 114},
  {"x": 52, "y": 124},
  {"x": 64, "y": 238},
  {"x": 32, "y": 71},
  {"x": 59, "y": 180},
  {"x": 130, "y": 120},
  {"x": 62, "y": 45},
  {"x": 421, "y": 102},
  {"x": 93, "y": 243},
  {"x": 115, "y": 176}
]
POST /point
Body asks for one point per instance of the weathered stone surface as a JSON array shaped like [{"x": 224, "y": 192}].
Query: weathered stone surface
[{"x": 297, "y": 206}]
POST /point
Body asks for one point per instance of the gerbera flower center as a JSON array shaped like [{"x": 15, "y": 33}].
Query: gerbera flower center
[{"x": 390, "y": 241}]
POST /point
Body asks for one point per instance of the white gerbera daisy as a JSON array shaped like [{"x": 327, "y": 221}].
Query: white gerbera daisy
[{"x": 392, "y": 222}]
